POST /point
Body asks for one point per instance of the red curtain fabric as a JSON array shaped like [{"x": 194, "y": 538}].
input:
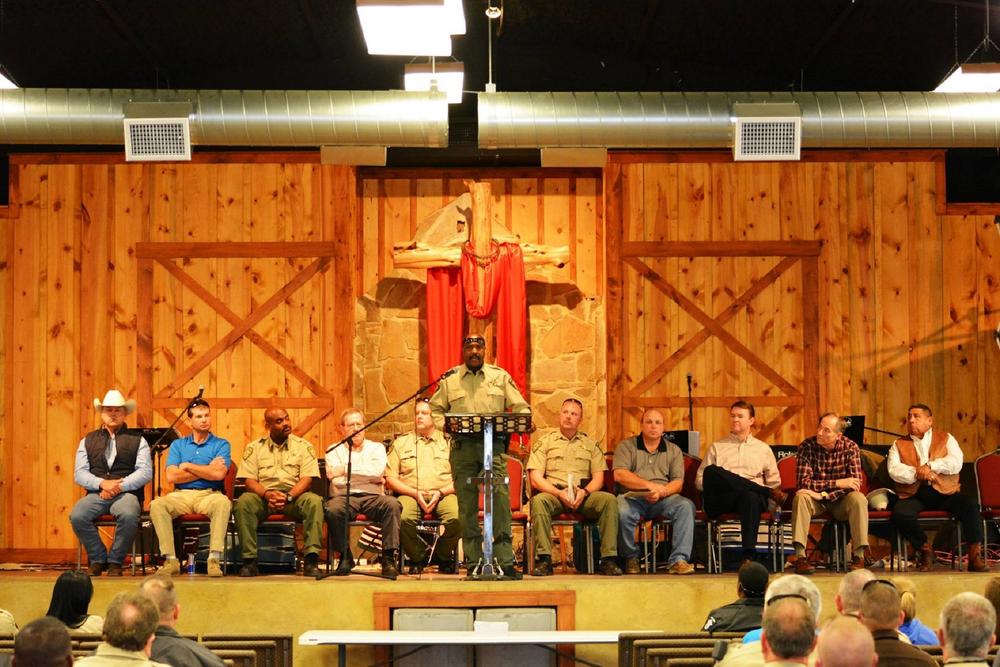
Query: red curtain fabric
[{"x": 444, "y": 320}]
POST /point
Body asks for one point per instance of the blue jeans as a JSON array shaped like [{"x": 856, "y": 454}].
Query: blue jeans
[
  {"x": 126, "y": 509},
  {"x": 676, "y": 508}
]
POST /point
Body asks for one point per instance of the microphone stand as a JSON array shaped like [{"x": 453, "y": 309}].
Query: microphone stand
[
  {"x": 346, "y": 557},
  {"x": 690, "y": 404},
  {"x": 159, "y": 446}
]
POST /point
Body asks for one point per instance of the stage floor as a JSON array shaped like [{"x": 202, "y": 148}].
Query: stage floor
[{"x": 286, "y": 604}]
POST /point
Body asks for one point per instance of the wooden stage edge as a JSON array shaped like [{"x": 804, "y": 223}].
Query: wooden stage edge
[{"x": 286, "y": 604}]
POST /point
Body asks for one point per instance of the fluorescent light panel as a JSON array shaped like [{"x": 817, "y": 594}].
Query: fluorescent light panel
[
  {"x": 410, "y": 27},
  {"x": 449, "y": 77},
  {"x": 972, "y": 78}
]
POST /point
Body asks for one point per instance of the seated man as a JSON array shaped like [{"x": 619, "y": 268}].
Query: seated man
[
  {"x": 278, "y": 470},
  {"x": 739, "y": 474},
  {"x": 882, "y": 614},
  {"x": 925, "y": 467},
  {"x": 828, "y": 477},
  {"x": 651, "y": 471},
  {"x": 844, "y": 642},
  {"x": 368, "y": 461},
  {"x": 169, "y": 646},
  {"x": 197, "y": 466},
  {"x": 968, "y": 623},
  {"x": 44, "y": 642},
  {"x": 419, "y": 472},
  {"x": 113, "y": 465},
  {"x": 744, "y": 614},
  {"x": 129, "y": 631},
  {"x": 560, "y": 462}
]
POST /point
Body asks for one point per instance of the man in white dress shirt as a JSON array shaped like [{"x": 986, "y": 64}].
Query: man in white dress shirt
[{"x": 925, "y": 467}]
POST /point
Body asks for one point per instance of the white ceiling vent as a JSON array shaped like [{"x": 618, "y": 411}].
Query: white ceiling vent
[
  {"x": 157, "y": 131},
  {"x": 766, "y": 132}
]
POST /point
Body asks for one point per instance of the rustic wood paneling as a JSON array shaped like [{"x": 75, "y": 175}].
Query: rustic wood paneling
[
  {"x": 907, "y": 297},
  {"x": 85, "y": 310}
]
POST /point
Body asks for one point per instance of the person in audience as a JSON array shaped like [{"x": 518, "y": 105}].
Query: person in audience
[
  {"x": 561, "y": 462},
  {"x": 368, "y": 462},
  {"x": 7, "y": 624},
  {"x": 967, "y": 628},
  {"x": 828, "y": 477},
  {"x": 848, "y": 597},
  {"x": 70, "y": 601},
  {"x": 749, "y": 653},
  {"x": 419, "y": 473},
  {"x": 992, "y": 594},
  {"x": 113, "y": 466},
  {"x": 918, "y": 633},
  {"x": 844, "y": 642},
  {"x": 169, "y": 646},
  {"x": 739, "y": 474},
  {"x": 789, "y": 632},
  {"x": 128, "y": 634},
  {"x": 745, "y": 613},
  {"x": 925, "y": 468},
  {"x": 881, "y": 613},
  {"x": 44, "y": 642},
  {"x": 278, "y": 470},
  {"x": 650, "y": 469},
  {"x": 197, "y": 466}
]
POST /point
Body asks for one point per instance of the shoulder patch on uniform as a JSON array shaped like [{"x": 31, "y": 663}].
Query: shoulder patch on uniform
[{"x": 248, "y": 452}]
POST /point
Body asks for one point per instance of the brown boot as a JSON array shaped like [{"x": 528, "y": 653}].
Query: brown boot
[
  {"x": 925, "y": 558},
  {"x": 976, "y": 561}
]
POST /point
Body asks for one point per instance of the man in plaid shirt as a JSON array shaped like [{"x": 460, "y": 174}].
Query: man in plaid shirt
[{"x": 828, "y": 476}]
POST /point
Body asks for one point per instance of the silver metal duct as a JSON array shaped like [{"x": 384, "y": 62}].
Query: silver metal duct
[
  {"x": 231, "y": 117},
  {"x": 702, "y": 120}
]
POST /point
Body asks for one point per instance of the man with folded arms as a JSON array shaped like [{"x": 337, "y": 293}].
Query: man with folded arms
[{"x": 828, "y": 477}]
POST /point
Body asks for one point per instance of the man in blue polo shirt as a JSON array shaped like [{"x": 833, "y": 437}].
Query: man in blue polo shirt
[{"x": 197, "y": 466}]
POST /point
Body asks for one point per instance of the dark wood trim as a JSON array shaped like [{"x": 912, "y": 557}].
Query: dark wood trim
[
  {"x": 721, "y": 249},
  {"x": 985, "y": 208},
  {"x": 209, "y": 157},
  {"x": 234, "y": 250},
  {"x": 14, "y": 555},
  {"x": 811, "y": 155}
]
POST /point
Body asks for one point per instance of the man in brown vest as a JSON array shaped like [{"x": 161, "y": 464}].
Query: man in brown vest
[{"x": 925, "y": 469}]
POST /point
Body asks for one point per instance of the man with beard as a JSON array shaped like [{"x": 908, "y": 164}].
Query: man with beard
[{"x": 479, "y": 388}]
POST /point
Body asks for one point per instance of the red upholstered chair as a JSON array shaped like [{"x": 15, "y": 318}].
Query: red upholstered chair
[
  {"x": 769, "y": 519},
  {"x": 197, "y": 520},
  {"x": 789, "y": 484},
  {"x": 691, "y": 492},
  {"x": 988, "y": 483}
]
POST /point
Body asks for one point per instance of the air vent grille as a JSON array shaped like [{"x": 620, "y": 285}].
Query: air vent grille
[
  {"x": 767, "y": 139},
  {"x": 157, "y": 139}
]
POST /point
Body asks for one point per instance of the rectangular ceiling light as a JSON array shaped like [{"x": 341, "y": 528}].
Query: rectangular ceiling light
[
  {"x": 972, "y": 78},
  {"x": 410, "y": 27},
  {"x": 447, "y": 77}
]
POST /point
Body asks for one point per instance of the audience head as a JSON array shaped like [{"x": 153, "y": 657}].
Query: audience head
[
  {"x": 880, "y": 606},
  {"x": 907, "y": 597},
  {"x": 162, "y": 593},
  {"x": 848, "y": 598},
  {"x": 71, "y": 597},
  {"x": 968, "y": 621},
  {"x": 43, "y": 643},
  {"x": 789, "y": 629},
  {"x": 795, "y": 584},
  {"x": 993, "y": 595},
  {"x": 131, "y": 621},
  {"x": 845, "y": 643},
  {"x": 752, "y": 580}
]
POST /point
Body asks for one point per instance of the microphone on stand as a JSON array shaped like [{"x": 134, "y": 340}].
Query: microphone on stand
[
  {"x": 447, "y": 373},
  {"x": 690, "y": 405},
  {"x": 201, "y": 392}
]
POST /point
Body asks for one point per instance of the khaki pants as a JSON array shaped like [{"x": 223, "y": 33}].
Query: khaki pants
[
  {"x": 599, "y": 506},
  {"x": 852, "y": 508},
  {"x": 215, "y": 505}
]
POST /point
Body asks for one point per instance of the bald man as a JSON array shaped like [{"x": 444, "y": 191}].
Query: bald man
[{"x": 845, "y": 642}]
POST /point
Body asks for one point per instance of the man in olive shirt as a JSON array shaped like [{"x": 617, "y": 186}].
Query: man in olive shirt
[
  {"x": 419, "y": 472},
  {"x": 479, "y": 388},
  {"x": 278, "y": 470},
  {"x": 560, "y": 461}
]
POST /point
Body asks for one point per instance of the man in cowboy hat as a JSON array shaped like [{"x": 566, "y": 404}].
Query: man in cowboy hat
[
  {"x": 480, "y": 388},
  {"x": 113, "y": 466}
]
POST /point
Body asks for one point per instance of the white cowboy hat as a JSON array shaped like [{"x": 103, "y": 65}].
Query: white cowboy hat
[
  {"x": 114, "y": 399},
  {"x": 878, "y": 499}
]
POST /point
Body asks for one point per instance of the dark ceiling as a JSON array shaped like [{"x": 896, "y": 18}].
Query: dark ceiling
[{"x": 539, "y": 45}]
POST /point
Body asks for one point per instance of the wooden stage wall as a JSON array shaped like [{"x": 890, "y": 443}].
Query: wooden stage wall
[{"x": 905, "y": 297}]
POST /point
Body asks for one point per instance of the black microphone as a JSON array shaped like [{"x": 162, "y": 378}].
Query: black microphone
[
  {"x": 201, "y": 391},
  {"x": 689, "y": 380}
]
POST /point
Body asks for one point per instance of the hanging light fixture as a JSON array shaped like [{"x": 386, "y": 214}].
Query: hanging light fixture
[
  {"x": 410, "y": 27},
  {"x": 974, "y": 77},
  {"x": 447, "y": 77}
]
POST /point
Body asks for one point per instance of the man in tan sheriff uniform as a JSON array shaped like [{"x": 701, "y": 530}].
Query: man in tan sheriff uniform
[
  {"x": 559, "y": 464},
  {"x": 278, "y": 470},
  {"x": 479, "y": 388},
  {"x": 419, "y": 472}
]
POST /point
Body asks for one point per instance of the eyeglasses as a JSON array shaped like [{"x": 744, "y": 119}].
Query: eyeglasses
[
  {"x": 788, "y": 595},
  {"x": 869, "y": 584}
]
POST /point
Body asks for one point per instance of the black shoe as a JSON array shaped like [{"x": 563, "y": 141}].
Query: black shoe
[
  {"x": 345, "y": 565},
  {"x": 311, "y": 566},
  {"x": 417, "y": 567},
  {"x": 609, "y": 567},
  {"x": 96, "y": 569},
  {"x": 448, "y": 567},
  {"x": 543, "y": 567},
  {"x": 114, "y": 569},
  {"x": 389, "y": 570},
  {"x": 249, "y": 568},
  {"x": 510, "y": 573}
]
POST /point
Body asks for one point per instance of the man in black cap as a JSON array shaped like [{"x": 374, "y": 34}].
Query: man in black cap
[
  {"x": 479, "y": 388},
  {"x": 746, "y": 612}
]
